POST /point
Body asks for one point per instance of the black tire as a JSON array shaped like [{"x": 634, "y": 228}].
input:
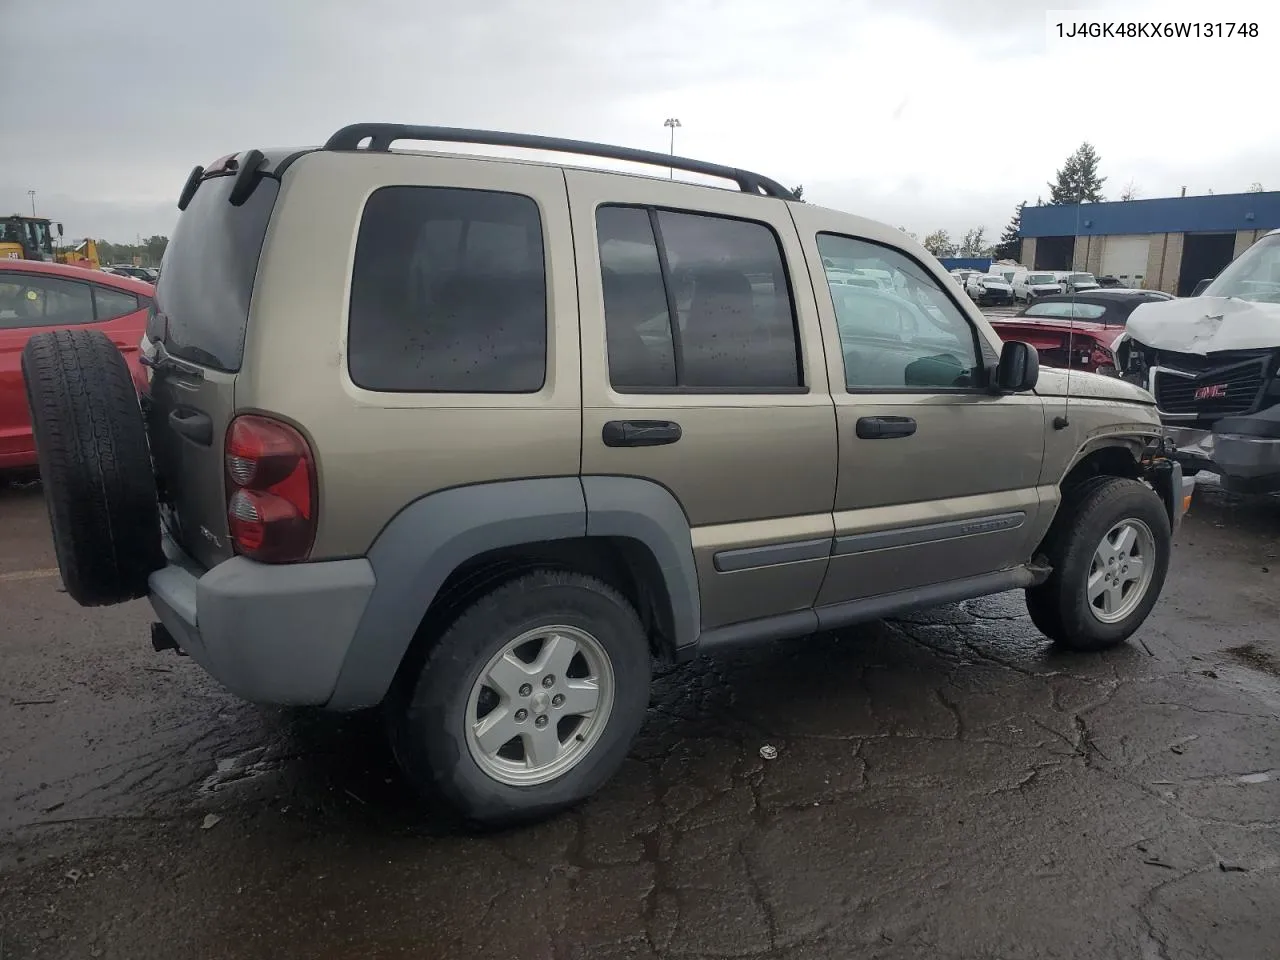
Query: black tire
[
  {"x": 428, "y": 712},
  {"x": 1060, "y": 606},
  {"x": 95, "y": 465}
]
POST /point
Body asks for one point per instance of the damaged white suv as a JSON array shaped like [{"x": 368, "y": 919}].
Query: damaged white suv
[{"x": 1213, "y": 364}]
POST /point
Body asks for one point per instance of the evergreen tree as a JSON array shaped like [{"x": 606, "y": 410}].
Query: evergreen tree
[
  {"x": 1077, "y": 181},
  {"x": 1010, "y": 244}
]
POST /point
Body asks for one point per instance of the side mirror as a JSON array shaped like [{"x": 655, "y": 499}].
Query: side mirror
[
  {"x": 1200, "y": 287},
  {"x": 1018, "y": 369},
  {"x": 59, "y": 229}
]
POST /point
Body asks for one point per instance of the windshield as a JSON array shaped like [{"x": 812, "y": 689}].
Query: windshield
[
  {"x": 1082, "y": 278},
  {"x": 1064, "y": 311},
  {"x": 995, "y": 280},
  {"x": 33, "y": 236},
  {"x": 1254, "y": 275},
  {"x": 1041, "y": 278}
]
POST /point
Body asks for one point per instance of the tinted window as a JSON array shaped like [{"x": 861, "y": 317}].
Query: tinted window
[
  {"x": 36, "y": 301},
  {"x": 910, "y": 336},
  {"x": 448, "y": 293},
  {"x": 209, "y": 268},
  {"x": 734, "y": 323},
  {"x": 109, "y": 304},
  {"x": 637, "y": 321},
  {"x": 1080, "y": 311}
]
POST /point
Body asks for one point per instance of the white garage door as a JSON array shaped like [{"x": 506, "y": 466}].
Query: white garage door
[{"x": 1126, "y": 258}]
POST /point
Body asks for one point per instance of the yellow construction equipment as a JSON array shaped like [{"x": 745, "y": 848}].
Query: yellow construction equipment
[{"x": 33, "y": 238}]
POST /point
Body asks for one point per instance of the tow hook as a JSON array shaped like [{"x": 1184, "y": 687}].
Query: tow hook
[{"x": 162, "y": 639}]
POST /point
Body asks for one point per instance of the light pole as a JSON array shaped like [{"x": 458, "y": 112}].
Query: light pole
[
  {"x": 671, "y": 123},
  {"x": 32, "y": 195}
]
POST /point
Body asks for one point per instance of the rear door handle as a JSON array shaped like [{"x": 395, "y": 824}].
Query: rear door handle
[
  {"x": 192, "y": 424},
  {"x": 884, "y": 428},
  {"x": 640, "y": 433}
]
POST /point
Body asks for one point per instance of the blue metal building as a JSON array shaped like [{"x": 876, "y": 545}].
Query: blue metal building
[{"x": 1169, "y": 244}]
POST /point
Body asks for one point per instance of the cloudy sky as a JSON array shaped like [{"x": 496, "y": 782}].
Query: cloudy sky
[{"x": 923, "y": 113}]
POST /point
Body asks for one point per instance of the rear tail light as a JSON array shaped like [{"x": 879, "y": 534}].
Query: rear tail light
[{"x": 271, "y": 490}]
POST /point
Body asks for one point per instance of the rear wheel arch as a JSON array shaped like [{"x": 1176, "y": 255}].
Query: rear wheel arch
[{"x": 443, "y": 551}]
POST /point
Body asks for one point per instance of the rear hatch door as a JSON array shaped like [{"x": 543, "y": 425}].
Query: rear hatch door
[{"x": 194, "y": 348}]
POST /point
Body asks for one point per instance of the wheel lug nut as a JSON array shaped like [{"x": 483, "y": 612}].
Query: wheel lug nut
[
  {"x": 549, "y": 680},
  {"x": 525, "y": 689},
  {"x": 541, "y": 722},
  {"x": 557, "y": 700},
  {"x": 522, "y": 715}
]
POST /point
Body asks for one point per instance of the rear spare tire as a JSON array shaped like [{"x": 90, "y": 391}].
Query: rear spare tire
[{"x": 95, "y": 465}]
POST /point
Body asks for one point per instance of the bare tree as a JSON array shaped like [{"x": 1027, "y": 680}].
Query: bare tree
[
  {"x": 1255, "y": 187},
  {"x": 1131, "y": 191},
  {"x": 939, "y": 244},
  {"x": 974, "y": 242}
]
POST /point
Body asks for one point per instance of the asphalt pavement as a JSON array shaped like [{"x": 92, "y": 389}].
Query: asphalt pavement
[{"x": 944, "y": 786}]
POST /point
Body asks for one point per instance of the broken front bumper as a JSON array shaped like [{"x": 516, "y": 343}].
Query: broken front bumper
[
  {"x": 1243, "y": 451},
  {"x": 1175, "y": 489}
]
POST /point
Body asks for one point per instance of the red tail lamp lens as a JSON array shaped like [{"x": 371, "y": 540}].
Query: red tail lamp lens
[{"x": 271, "y": 484}]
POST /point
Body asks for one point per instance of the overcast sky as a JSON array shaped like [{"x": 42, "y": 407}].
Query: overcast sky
[{"x": 923, "y": 113}]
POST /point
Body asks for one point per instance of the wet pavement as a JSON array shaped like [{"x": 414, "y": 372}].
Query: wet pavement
[{"x": 944, "y": 786}]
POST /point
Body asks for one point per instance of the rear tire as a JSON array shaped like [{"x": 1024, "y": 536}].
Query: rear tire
[
  {"x": 95, "y": 465},
  {"x": 477, "y": 671},
  {"x": 1105, "y": 529}
]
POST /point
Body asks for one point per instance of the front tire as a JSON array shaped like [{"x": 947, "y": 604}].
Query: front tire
[
  {"x": 1109, "y": 547},
  {"x": 528, "y": 702}
]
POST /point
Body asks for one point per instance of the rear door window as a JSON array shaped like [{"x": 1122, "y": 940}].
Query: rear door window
[
  {"x": 202, "y": 297},
  {"x": 695, "y": 302},
  {"x": 448, "y": 293}
]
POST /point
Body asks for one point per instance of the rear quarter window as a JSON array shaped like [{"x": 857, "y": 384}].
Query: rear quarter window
[
  {"x": 448, "y": 293},
  {"x": 109, "y": 304}
]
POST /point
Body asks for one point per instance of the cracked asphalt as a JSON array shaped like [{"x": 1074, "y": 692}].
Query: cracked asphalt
[{"x": 945, "y": 786}]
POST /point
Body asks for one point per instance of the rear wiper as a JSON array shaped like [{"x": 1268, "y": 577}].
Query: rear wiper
[{"x": 162, "y": 359}]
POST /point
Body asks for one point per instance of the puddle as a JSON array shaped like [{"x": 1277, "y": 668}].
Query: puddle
[
  {"x": 1251, "y": 656},
  {"x": 247, "y": 766}
]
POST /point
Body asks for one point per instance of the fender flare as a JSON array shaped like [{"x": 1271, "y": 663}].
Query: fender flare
[{"x": 430, "y": 538}]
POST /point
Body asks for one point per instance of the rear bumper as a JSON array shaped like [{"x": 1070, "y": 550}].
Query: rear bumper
[{"x": 270, "y": 634}]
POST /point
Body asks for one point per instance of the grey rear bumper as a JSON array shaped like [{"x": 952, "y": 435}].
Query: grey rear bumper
[{"x": 273, "y": 634}]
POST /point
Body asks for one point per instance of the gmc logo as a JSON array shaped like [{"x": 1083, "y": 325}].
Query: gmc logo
[{"x": 1214, "y": 392}]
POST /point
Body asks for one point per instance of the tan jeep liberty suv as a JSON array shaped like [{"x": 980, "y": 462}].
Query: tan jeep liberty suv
[{"x": 479, "y": 440}]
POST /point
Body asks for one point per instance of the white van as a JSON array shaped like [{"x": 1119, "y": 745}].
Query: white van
[{"x": 1035, "y": 283}]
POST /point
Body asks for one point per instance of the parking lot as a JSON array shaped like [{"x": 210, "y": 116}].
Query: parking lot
[{"x": 944, "y": 786}]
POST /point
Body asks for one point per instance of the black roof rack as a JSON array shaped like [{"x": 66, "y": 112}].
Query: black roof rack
[{"x": 382, "y": 135}]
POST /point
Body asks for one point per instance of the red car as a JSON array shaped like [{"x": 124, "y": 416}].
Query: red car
[
  {"x": 37, "y": 296},
  {"x": 1076, "y": 330}
]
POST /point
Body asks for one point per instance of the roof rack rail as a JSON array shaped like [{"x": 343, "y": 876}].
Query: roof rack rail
[{"x": 382, "y": 135}]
